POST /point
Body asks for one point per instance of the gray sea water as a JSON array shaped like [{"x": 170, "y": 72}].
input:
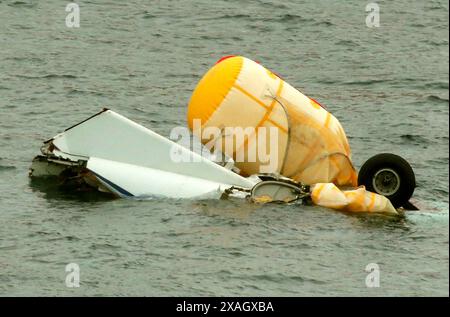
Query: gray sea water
[{"x": 387, "y": 85}]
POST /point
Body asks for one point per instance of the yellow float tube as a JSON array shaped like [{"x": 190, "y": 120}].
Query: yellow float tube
[{"x": 311, "y": 145}]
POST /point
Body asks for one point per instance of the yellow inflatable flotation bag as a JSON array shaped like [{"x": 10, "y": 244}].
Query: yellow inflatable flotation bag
[
  {"x": 356, "y": 200},
  {"x": 311, "y": 145},
  {"x": 238, "y": 92}
]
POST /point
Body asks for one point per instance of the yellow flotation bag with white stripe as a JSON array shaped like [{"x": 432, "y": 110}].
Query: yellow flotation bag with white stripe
[
  {"x": 355, "y": 200},
  {"x": 311, "y": 144}
]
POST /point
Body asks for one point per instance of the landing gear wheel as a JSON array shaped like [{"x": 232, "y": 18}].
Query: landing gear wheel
[{"x": 389, "y": 175}]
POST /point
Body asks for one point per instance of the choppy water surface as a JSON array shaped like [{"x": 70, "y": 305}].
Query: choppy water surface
[{"x": 387, "y": 85}]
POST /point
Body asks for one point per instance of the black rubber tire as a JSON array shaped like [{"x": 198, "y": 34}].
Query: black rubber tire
[{"x": 393, "y": 162}]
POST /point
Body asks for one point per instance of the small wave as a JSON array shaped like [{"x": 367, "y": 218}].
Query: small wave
[
  {"x": 25, "y": 59},
  {"x": 326, "y": 81},
  {"x": 347, "y": 43},
  {"x": 291, "y": 18},
  {"x": 234, "y": 16},
  {"x": 227, "y": 17},
  {"x": 437, "y": 85},
  {"x": 283, "y": 278},
  {"x": 414, "y": 139},
  {"x": 6, "y": 168},
  {"x": 103, "y": 246},
  {"x": 22, "y": 4},
  {"x": 437, "y": 99},
  {"x": 48, "y": 76},
  {"x": 366, "y": 82},
  {"x": 59, "y": 76},
  {"x": 273, "y": 4},
  {"x": 208, "y": 37},
  {"x": 22, "y": 27},
  {"x": 189, "y": 75},
  {"x": 441, "y": 192},
  {"x": 84, "y": 92},
  {"x": 324, "y": 23},
  {"x": 436, "y": 6},
  {"x": 418, "y": 25},
  {"x": 436, "y": 42},
  {"x": 148, "y": 15},
  {"x": 439, "y": 160},
  {"x": 440, "y": 215}
]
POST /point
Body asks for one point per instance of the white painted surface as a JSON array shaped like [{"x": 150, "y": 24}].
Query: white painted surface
[
  {"x": 112, "y": 137},
  {"x": 143, "y": 181}
]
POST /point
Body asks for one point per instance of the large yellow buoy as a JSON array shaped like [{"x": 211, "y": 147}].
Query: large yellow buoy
[{"x": 311, "y": 145}]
